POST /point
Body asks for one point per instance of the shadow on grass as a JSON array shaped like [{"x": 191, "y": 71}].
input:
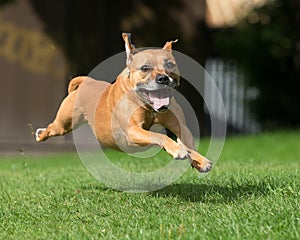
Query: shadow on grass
[
  {"x": 218, "y": 192},
  {"x": 227, "y": 191}
]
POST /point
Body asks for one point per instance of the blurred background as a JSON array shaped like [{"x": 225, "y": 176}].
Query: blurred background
[{"x": 251, "y": 48}]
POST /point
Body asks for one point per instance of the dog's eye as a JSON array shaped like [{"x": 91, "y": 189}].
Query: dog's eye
[
  {"x": 170, "y": 65},
  {"x": 146, "y": 68}
]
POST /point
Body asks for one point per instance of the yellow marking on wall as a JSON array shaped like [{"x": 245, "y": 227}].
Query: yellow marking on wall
[{"x": 31, "y": 49}]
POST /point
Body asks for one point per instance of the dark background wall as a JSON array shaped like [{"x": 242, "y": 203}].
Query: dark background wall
[{"x": 43, "y": 44}]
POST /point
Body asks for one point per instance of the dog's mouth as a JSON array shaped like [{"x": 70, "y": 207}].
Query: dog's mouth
[{"x": 158, "y": 99}]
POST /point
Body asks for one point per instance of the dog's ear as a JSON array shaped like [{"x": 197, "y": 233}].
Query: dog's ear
[
  {"x": 130, "y": 49},
  {"x": 168, "y": 45}
]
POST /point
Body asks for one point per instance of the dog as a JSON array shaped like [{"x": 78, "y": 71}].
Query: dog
[{"x": 120, "y": 114}]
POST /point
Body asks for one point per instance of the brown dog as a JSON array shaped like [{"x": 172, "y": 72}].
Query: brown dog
[{"x": 121, "y": 114}]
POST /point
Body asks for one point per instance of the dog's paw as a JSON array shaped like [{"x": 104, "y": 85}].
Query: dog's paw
[
  {"x": 182, "y": 152},
  {"x": 38, "y": 132},
  {"x": 202, "y": 164},
  {"x": 176, "y": 150}
]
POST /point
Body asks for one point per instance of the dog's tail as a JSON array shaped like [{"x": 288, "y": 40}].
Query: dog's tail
[{"x": 74, "y": 83}]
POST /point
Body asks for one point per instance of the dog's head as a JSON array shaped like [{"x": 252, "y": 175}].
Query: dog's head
[{"x": 153, "y": 74}]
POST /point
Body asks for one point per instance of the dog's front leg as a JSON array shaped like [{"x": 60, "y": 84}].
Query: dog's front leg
[
  {"x": 177, "y": 125},
  {"x": 185, "y": 138},
  {"x": 142, "y": 137}
]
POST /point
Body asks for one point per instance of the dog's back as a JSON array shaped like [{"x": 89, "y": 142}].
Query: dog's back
[{"x": 89, "y": 92}]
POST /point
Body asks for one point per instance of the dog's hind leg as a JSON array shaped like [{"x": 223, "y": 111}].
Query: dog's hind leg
[
  {"x": 53, "y": 129},
  {"x": 67, "y": 118}
]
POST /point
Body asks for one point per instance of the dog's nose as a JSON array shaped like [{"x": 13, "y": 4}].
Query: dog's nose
[{"x": 162, "y": 79}]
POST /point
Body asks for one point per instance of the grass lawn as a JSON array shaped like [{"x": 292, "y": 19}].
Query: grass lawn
[{"x": 253, "y": 192}]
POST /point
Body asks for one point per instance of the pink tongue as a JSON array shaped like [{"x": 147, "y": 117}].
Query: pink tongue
[{"x": 159, "y": 98}]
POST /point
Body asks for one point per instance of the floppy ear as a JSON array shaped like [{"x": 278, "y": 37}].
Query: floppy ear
[
  {"x": 168, "y": 45},
  {"x": 130, "y": 49}
]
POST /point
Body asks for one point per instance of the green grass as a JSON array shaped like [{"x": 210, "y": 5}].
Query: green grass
[{"x": 252, "y": 193}]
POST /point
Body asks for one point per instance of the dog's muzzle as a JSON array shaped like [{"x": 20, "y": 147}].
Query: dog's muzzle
[
  {"x": 157, "y": 93},
  {"x": 162, "y": 79}
]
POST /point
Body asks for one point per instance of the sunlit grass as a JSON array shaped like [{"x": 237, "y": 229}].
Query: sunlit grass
[{"x": 253, "y": 192}]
